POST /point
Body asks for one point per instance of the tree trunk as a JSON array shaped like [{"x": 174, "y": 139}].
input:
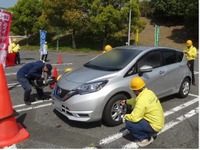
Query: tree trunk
[
  {"x": 73, "y": 39},
  {"x": 27, "y": 40},
  {"x": 105, "y": 38}
]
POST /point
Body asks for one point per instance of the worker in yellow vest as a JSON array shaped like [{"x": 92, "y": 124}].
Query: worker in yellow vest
[
  {"x": 15, "y": 48},
  {"x": 191, "y": 54}
]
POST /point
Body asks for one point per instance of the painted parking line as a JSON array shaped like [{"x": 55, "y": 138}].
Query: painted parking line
[
  {"x": 10, "y": 74},
  {"x": 33, "y": 107},
  {"x": 36, "y": 102},
  {"x": 167, "y": 126},
  {"x": 184, "y": 105},
  {"x": 10, "y": 147},
  {"x": 173, "y": 110}
]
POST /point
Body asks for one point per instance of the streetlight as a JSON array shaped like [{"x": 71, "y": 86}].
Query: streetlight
[{"x": 129, "y": 26}]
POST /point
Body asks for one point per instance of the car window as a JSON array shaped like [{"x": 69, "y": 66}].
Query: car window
[
  {"x": 131, "y": 71},
  {"x": 179, "y": 56},
  {"x": 169, "y": 57},
  {"x": 152, "y": 59},
  {"x": 113, "y": 60}
]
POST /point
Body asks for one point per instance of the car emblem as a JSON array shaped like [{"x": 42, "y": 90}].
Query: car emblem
[{"x": 59, "y": 91}]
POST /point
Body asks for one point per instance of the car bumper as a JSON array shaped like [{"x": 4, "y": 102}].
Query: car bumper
[{"x": 85, "y": 108}]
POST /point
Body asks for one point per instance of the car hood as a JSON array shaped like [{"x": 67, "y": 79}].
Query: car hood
[{"x": 83, "y": 75}]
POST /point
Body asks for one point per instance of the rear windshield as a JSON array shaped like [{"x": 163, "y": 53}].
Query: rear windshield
[{"x": 113, "y": 60}]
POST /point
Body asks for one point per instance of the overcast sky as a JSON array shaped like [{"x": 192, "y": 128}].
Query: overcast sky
[{"x": 7, "y": 3}]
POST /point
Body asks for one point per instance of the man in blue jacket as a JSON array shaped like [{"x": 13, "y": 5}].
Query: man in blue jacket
[{"x": 30, "y": 72}]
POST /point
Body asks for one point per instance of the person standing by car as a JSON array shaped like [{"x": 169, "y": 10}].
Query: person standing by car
[
  {"x": 15, "y": 48},
  {"x": 30, "y": 72},
  {"x": 191, "y": 54},
  {"x": 147, "y": 117},
  {"x": 44, "y": 52}
]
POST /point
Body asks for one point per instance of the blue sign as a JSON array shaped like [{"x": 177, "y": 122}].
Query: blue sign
[{"x": 42, "y": 39}]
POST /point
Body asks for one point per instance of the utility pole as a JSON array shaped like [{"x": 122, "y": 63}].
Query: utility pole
[{"x": 129, "y": 26}]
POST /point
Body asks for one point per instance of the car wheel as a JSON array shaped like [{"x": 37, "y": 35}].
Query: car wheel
[
  {"x": 184, "y": 88},
  {"x": 114, "y": 111}
]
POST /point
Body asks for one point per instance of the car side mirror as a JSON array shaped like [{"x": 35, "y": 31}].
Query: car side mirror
[{"x": 145, "y": 68}]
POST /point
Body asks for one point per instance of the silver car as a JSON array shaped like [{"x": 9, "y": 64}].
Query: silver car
[{"x": 93, "y": 91}]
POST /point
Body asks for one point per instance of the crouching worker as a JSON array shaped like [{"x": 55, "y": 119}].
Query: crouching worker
[
  {"x": 147, "y": 117},
  {"x": 30, "y": 72}
]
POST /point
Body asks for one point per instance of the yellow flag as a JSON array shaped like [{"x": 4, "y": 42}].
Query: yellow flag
[{"x": 136, "y": 36}]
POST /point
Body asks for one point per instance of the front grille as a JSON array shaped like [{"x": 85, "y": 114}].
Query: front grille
[
  {"x": 60, "y": 93},
  {"x": 63, "y": 94}
]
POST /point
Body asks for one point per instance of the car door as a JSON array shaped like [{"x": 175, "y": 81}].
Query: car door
[
  {"x": 155, "y": 80},
  {"x": 174, "y": 69}
]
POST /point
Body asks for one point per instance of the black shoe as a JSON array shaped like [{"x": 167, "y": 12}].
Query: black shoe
[
  {"x": 27, "y": 103},
  {"x": 154, "y": 136}
]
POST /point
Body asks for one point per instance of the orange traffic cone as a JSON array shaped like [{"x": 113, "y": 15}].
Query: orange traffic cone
[
  {"x": 55, "y": 72},
  {"x": 55, "y": 75},
  {"x": 11, "y": 132},
  {"x": 59, "y": 59}
]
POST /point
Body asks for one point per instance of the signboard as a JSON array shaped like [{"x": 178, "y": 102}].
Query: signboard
[
  {"x": 42, "y": 39},
  {"x": 5, "y": 24},
  {"x": 157, "y": 35}
]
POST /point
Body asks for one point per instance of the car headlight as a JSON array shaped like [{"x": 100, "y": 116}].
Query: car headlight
[{"x": 91, "y": 87}]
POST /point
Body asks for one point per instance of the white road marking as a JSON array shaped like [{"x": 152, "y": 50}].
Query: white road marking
[
  {"x": 184, "y": 105},
  {"x": 10, "y": 147},
  {"x": 9, "y": 74},
  {"x": 113, "y": 137},
  {"x": 125, "y": 132},
  {"x": 37, "y": 102},
  {"x": 33, "y": 107},
  {"x": 179, "y": 119},
  {"x": 167, "y": 126},
  {"x": 193, "y": 95}
]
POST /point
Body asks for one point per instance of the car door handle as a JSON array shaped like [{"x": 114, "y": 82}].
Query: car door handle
[
  {"x": 162, "y": 72},
  {"x": 180, "y": 67}
]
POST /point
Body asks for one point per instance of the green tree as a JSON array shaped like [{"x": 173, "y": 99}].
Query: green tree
[
  {"x": 191, "y": 15},
  {"x": 25, "y": 16},
  {"x": 66, "y": 16},
  {"x": 186, "y": 9},
  {"x": 145, "y": 8},
  {"x": 110, "y": 17}
]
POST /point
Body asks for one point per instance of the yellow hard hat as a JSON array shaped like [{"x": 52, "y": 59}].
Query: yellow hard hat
[
  {"x": 189, "y": 43},
  {"x": 107, "y": 48},
  {"x": 137, "y": 83},
  {"x": 68, "y": 69},
  {"x": 14, "y": 40}
]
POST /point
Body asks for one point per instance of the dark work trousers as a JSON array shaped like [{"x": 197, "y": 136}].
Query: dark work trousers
[
  {"x": 140, "y": 130},
  {"x": 44, "y": 57},
  {"x": 27, "y": 88},
  {"x": 17, "y": 58},
  {"x": 191, "y": 66}
]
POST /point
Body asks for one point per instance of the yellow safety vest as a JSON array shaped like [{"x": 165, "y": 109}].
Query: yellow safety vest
[
  {"x": 191, "y": 53},
  {"x": 147, "y": 106}
]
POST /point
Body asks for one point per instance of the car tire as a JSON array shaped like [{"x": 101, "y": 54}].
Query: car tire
[
  {"x": 184, "y": 88},
  {"x": 113, "y": 110}
]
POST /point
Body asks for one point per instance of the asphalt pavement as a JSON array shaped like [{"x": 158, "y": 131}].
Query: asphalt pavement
[{"x": 49, "y": 129}]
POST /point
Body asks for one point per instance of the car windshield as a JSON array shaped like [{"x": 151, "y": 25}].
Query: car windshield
[{"x": 113, "y": 60}]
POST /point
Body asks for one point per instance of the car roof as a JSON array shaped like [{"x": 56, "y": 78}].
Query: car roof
[{"x": 144, "y": 48}]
